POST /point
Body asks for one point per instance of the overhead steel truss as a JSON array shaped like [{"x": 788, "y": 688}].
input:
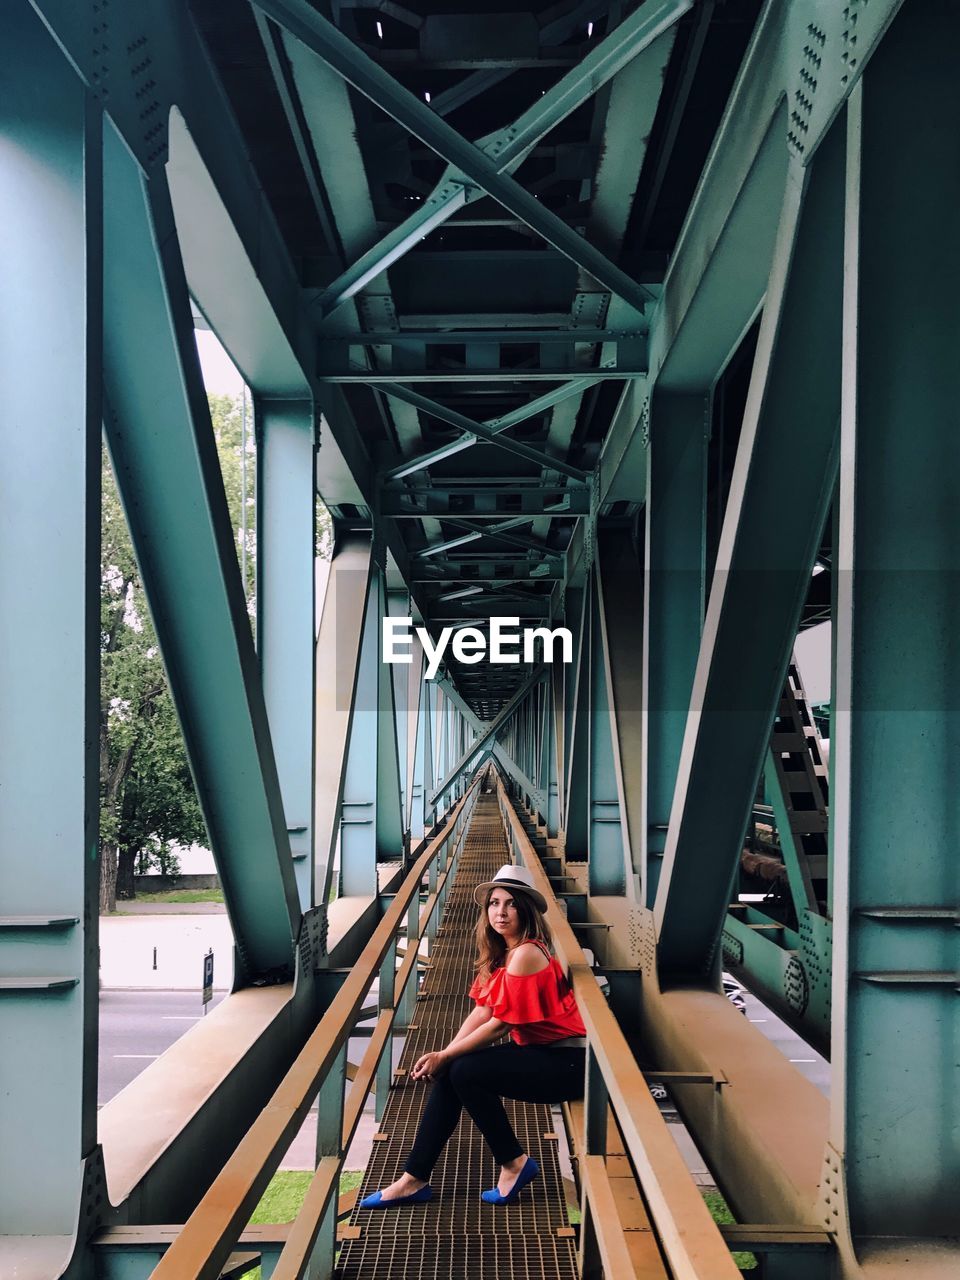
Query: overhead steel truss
[{"x": 681, "y": 276}]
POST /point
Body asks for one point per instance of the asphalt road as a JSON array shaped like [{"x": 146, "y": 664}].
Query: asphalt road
[
  {"x": 137, "y": 1026},
  {"x": 807, "y": 1061}
]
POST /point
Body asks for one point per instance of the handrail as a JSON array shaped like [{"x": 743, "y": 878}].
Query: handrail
[
  {"x": 210, "y": 1233},
  {"x": 688, "y": 1236}
]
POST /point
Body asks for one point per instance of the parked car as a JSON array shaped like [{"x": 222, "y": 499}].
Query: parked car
[{"x": 734, "y": 993}]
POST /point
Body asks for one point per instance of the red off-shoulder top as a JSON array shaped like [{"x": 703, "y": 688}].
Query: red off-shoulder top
[{"x": 539, "y": 1007}]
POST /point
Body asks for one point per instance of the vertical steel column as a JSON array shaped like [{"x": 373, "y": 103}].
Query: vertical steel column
[
  {"x": 673, "y": 603},
  {"x": 607, "y": 843},
  {"x": 596, "y": 1103},
  {"x": 339, "y": 647},
  {"x": 390, "y": 828},
  {"x": 430, "y": 701},
  {"x": 549, "y": 754},
  {"x": 50, "y": 305},
  {"x": 411, "y": 714},
  {"x": 358, "y": 805},
  {"x": 576, "y": 737},
  {"x": 370, "y": 820},
  {"x": 595, "y": 819},
  {"x": 621, "y": 622},
  {"x": 286, "y": 501},
  {"x": 330, "y": 1102},
  {"x": 896, "y": 742},
  {"x": 398, "y": 606}
]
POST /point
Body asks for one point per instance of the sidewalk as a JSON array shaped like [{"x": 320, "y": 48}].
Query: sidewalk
[{"x": 127, "y": 944}]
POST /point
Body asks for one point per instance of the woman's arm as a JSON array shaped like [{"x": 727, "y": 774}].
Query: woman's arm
[
  {"x": 434, "y": 1064},
  {"x": 489, "y": 1030},
  {"x": 473, "y": 1020}
]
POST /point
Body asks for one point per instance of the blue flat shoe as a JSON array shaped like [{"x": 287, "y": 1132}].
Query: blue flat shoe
[
  {"x": 524, "y": 1178},
  {"x": 416, "y": 1197}
]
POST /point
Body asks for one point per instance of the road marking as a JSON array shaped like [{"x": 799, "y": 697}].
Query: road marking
[
  {"x": 136, "y": 1055},
  {"x": 811, "y": 1060},
  {"x": 758, "y": 1019}
]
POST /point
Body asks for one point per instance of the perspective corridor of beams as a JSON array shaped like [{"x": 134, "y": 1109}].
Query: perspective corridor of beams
[{"x": 461, "y": 187}]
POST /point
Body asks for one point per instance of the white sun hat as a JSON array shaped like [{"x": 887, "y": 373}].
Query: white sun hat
[{"x": 511, "y": 877}]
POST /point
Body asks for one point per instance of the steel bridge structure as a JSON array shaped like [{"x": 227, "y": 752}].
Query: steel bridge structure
[{"x": 638, "y": 319}]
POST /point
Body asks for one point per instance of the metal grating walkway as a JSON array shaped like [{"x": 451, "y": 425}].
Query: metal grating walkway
[{"x": 457, "y": 1235}]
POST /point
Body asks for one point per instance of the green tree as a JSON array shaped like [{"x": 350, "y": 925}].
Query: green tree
[
  {"x": 147, "y": 800},
  {"x": 233, "y": 431}
]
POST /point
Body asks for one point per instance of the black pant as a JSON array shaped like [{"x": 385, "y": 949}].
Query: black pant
[{"x": 477, "y": 1081}]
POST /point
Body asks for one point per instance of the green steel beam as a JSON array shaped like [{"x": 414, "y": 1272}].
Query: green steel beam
[
  {"x": 621, "y": 590},
  {"x": 164, "y": 454},
  {"x": 719, "y": 269},
  {"x": 498, "y": 531},
  {"x": 338, "y": 656},
  {"x": 329, "y": 44},
  {"x": 442, "y": 499},
  {"x": 356, "y": 375},
  {"x": 675, "y": 586},
  {"x": 507, "y": 148},
  {"x": 767, "y": 547},
  {"x": 483, "y": 737},
  {"x": 895, "y": 740},
  {"x": 239, "y": 270},
  {"x": 286, "y": 574},
  {"x": 487, "y": 337},
  {"x": 427, "y": 460},
  {"x": 497, "y": 749},
  {"x": 51, "y": 320},
  {"x": 501, "y": 423},
  {"x": 608, "y": 846},
  {"x": 577, "y": 729},
  {"x": 370, "y": 811},
  {"x": 481, "y": 431},
  {"x": 451, "y": 195}
]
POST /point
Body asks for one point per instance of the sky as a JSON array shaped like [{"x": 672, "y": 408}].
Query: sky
[{"x": 220, "y": 376}]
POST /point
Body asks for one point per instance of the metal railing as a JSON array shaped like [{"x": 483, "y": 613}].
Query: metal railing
[
  {"x": 689, "y": 1239},
  {"x": 319, "y": 1071}
]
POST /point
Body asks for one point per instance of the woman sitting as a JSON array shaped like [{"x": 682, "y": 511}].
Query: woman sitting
[{"x": 519, "y": 988}]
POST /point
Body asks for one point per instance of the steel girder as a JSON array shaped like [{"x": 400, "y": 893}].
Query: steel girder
[
  {"x": 286, "y": 538},
  {"x": 371, "y": 826},
  {"x": 50, "y": 261},
  {"x": 767, "y": 547},
  {"x": 337, "y": 662},
  {"x": 508, "y": 147},
  {"x": 895, "y": 1127},
  {"x": 564, "y": 391},
  {"x": 674, "y": 595},
  {"x": 162, "y": 446},
  {"x": 471, "y": 161},
  {"x": 597, "y": 827}
]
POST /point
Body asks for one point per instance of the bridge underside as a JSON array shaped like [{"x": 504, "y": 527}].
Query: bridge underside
[{"x": 634, "y": 319}]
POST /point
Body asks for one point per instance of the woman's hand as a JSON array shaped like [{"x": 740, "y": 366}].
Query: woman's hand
[{"x": 430, "y": 1066}]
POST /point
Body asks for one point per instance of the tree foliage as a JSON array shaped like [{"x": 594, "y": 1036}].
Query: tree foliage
[{"x": 147, "y": 799}]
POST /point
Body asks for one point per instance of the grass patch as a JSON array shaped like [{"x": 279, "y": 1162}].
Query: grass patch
[
  {"x": 285, "y": 1194},
  {"x": 183, "y": 895},
  {"x": 283, "y": 1197},
  {"x": 720, "y": 1212}
]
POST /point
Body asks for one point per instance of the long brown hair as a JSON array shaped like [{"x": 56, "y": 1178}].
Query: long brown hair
[{"x": 491, "y": 949}]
